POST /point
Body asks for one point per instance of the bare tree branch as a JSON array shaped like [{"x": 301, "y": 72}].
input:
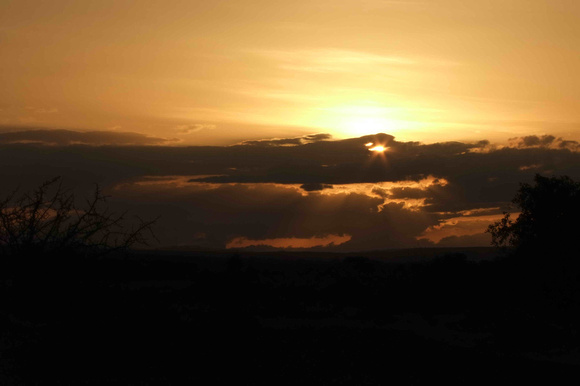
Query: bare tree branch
[{"x": 47, "y": 221}]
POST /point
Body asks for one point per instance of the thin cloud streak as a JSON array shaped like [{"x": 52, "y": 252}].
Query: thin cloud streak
[
  {"x": 291, "y": 242},
  {"x": 330, "y": 60},
  {"x": 61, "y": 137}
]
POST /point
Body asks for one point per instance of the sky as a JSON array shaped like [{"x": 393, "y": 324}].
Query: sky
[
  {"x": 245, "y": 124},
  {"x": 220, "y": 72}
]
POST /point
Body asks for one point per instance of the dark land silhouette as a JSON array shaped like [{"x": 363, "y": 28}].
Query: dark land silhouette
[{"x": 462, "y": 316}]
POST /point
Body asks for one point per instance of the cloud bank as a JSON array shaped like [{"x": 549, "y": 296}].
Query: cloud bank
[
  {"x": 307, "y": 192},
  {"x": 60, "y": 137}
]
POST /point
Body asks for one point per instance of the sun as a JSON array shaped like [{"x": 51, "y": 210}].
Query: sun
[
  {"x": 378, "y": 152},
  {"x": 376, "y": 148}
]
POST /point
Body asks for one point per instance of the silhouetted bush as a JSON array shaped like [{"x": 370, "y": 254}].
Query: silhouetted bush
[
  {"x": 545, "y": 260},
  {"x": 48, "y": 222},
  {"x": 548, "y": 219}
]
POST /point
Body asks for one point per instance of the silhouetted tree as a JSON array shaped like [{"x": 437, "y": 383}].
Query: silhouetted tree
[
  {"x": 47, "y": 221},
  {"x": 548, "y": 220}
]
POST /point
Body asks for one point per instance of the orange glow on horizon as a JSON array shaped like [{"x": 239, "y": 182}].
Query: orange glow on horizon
[
  {"x": 459, "y": 226},
  {"x": 290, "y": 242}
]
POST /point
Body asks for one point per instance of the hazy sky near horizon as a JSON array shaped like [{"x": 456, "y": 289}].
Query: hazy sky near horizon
[{"x": 220, "y": 72}]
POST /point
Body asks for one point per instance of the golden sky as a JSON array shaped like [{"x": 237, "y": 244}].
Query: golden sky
[{"x": 218, "y": 72}]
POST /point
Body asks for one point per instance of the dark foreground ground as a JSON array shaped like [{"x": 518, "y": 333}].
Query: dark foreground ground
[{"x": 271, "y": 319}]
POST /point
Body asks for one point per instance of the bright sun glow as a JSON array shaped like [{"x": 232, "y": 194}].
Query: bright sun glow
[
  {"x": 378, "y": 148},
  {"x": 359, "y": 119},
  {"x": 366, "y": 125}
]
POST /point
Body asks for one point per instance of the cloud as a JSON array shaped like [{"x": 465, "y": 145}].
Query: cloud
[
  {"x": 296, "y": 141},
  {"x": 544, "y": 141},
  {"x": 532, "y": 141},
  {"x": 59, "y": 137},
  {"x": 478, "y": 239},
  {"x": 459, "y": 227},
  {"x": 291, "y": 242},
  {"x": 406, "y": 193},
  {"x": 46, "y": 111},
  {"x": 245, "y": 215},
  {"x": 313, "y": 187},
  {"x": 342, "y": 61},
  {"x": 530, "y": 167},
  {"x": 190, "y": 129},
  {"x": 411, "y": 195},
  {"x": 316, "y": 137}
]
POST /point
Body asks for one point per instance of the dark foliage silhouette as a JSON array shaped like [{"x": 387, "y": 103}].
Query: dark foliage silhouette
[
  {"x": 548, "y": 219},
  {"x": 543, "y": 238},
  {"x": 48, "y": 221}
]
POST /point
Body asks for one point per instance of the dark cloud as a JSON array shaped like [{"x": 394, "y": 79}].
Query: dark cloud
[
  {"x": 257, "y": 192},
  {"x": 312, "y": 187},
  {"x": 343, "y": 162},
  {"x": 533, "y": 140},
  {"x": 310, "y": 138},
  {"x": 189, "y": 129},
  {"x": 317, "y": 137},
  {"x": 59, "y": 137},
  {"x": 545, "y": 141},
  {"x": 571, "y": 145},
  {"x": 266, "y": 211}
]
